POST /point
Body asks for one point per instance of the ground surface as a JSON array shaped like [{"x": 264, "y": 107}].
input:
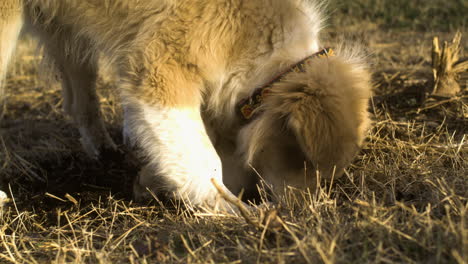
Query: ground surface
[{"x": 403, "y": 200}]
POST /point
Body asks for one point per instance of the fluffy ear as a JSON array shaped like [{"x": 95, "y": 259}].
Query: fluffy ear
[{"x": 325, "y": 107}]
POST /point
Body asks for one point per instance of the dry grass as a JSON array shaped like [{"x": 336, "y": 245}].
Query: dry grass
[{"x": 404, "y": 200}]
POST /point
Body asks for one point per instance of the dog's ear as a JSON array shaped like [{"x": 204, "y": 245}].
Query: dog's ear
[
  {"x": 324, "y": 133},
  {"x": 326, "y": 109}
]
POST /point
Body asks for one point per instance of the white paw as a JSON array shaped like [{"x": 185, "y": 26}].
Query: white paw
[
  {"x": 89, "y": 148},
  {"x": 3, "y": 198},
  {"x": 94, "y": 144}
]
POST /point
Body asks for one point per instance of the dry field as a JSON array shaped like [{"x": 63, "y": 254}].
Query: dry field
[{"x": 404, "y": 199}]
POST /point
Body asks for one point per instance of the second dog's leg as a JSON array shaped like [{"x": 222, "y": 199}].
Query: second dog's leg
[
  {"x": 79, "y": 74},
  {"x": 85, "y": 109}
]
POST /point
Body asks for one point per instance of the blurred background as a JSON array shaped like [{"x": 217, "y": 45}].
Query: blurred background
[{"x": 417, "y": 15}]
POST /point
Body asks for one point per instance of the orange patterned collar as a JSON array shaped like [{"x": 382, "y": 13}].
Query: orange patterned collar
[{"x": 247, "y": 106}]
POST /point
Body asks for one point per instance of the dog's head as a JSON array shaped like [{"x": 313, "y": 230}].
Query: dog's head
[{"x": 311, "y": 121}]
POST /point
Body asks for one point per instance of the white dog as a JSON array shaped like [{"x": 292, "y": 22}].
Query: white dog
[{"x": 207, "y": 86}]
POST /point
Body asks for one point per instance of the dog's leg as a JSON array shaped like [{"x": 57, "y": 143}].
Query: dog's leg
[
  {"x": 79, "y": 73},
  {"x": 85, "y": 110},
  {"x": 11, "y": 22},
  {"x": 182, "y": 159}
]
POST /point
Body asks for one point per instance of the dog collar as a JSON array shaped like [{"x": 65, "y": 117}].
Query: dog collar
[{"x": 247, "y": 106}]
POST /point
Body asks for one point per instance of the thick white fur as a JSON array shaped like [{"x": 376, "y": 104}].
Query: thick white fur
[
  {"x": 183, "y": 151},
  {"x": 183, "y": 65}
]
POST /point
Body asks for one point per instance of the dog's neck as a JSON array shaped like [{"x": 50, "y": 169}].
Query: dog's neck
[{"x": 246, "y": 107}]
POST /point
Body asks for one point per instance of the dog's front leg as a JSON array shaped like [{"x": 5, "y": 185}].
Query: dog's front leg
[{"x": 181, "y": 157}]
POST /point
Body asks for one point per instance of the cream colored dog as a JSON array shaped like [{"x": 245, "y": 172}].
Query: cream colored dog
[{"x": 189, "y": 73}]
